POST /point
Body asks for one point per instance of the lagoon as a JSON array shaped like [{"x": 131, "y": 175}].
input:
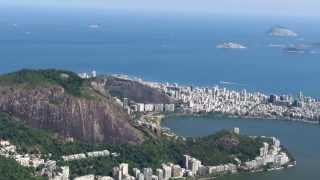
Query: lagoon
[{"x": 302, "y": 140}]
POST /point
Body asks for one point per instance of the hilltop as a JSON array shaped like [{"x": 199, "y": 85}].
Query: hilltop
[
  {"x": 63, "y": 102},
  {"x": 28, "y": 78},
  {"x": 136, "y": 91}
]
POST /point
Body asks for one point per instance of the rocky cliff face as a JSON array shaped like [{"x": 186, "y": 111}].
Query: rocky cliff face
[
  {"x": 50, "y": 107},
  {"x": 135, "y": 91}
]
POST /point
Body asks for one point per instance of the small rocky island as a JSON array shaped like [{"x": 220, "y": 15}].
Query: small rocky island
[
  {"x": 231, "y": 45},
  {"x": 280, "y": 31}
]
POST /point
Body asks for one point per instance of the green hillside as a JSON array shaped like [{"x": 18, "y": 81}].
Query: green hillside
[
  {"x": 28, "y": 78},
  {"x": 11, "y": 170},
  {"x": 215, "y": 149}
]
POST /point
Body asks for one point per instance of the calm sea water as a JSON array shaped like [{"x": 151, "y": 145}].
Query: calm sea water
[
  {"x": 174, "y": 48},
  {"x": 301, "y": 140}
]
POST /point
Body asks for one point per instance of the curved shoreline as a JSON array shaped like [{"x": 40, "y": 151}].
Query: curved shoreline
[
  {"x": 215, "y": 115},
  {"x": 291, "y": 164}
]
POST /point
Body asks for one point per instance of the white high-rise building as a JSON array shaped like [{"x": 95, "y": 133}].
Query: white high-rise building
[
  {"x": 65, "y": 172},
  {"x": 124, "y": 168},
  {"x": 159, "y": 173},
  {"x": 94, "y": 73},
  {"x": 140, "y": 176},
  {"x": 136, "y": 172},
  {"x": 186, "y": 162},
  {"x": 147, "y": 172},
  {"x": 116, "y": 173},
  {"x": 236, "y": 130},
  {"x": 166, "y": 172}
]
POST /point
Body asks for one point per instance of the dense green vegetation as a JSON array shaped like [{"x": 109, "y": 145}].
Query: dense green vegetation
[
  {"x": 70, "y": 81},
  {"x": 11, "y": 170},
  {"x": 210, "y": 150},
  {"x": 223, "y": 147},
  {"x": 215, "y": 149},
  {"x": 31, "y": 140}
]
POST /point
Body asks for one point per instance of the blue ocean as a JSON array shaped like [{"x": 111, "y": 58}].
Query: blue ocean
[{"x": 160, "y": 47}]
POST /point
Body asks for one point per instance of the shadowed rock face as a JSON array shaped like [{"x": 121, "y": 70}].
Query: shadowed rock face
[
  {"x": 135, "y": 91},
  {"x": 94, "y": 121}
]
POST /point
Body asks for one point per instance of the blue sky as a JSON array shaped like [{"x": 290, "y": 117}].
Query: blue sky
[{"x": 249, "y": 7}]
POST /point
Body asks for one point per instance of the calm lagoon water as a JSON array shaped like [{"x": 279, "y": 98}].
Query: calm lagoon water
[{"x": 301, "y": 139}]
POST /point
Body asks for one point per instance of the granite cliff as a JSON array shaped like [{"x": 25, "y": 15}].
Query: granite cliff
[{"x": 62, "y": 102}]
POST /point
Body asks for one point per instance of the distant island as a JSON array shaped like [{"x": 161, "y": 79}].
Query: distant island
[
  {"x": 316, "y": 45},
  {"x": 295, "y": 50},
  {"x": 299, "y": 48},
  {"x": 281, "y": 31},
  {"x": 231, "y": 45},
  {"x": 94, "y": 26}
]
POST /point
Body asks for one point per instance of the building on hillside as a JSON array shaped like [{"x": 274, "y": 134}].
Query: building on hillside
[
  {"x": 86, "y": 177},
  {"x": 147, "y": 172},
  {"x": 166, "y": 172},
  {"x": 140, "y": 176},
  {"x": 124, "y": 168},
  {"x": 104, "y": 178},
  {"x": 116, "y": 173},
  {"x": 177, "y": 171},
  {"x": 236, "y": 130},
  {"x": 159, "y": 174}
]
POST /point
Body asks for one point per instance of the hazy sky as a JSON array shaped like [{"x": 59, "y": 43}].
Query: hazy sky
[{"x": 266, "y": 7}]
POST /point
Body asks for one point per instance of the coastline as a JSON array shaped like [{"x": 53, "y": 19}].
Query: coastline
[
  {"x": 290, "y": 164},
  {"x": 217, "y": 114}
]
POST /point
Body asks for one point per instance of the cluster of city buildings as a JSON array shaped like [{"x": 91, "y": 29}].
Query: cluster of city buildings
[
  {"x": 237, "y": 103},
  {"x": 241, "y": 103},
  {"x": 48, "y": 167},
  {"x": 194, "y": 167},
  {"x": 88, "y": 155},
  {"x": 121, "y": 172},
  {"x": 93, "y": 177},
  {"x": 131, "y": 107},
  {"x": 222, "y": 100},
  {"x": 269, "y": 154}
]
